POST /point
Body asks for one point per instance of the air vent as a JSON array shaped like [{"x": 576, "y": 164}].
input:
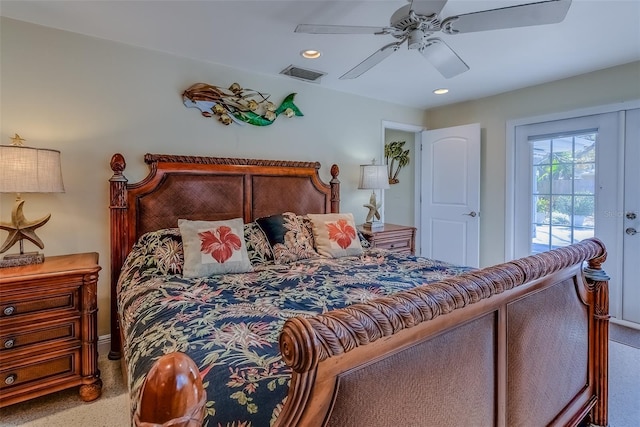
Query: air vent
[{"x": 302, "y": 73}]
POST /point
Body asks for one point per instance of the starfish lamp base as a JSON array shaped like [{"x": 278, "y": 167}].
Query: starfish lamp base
[
  {"x": 373, "y": 216},
  {"x": 373, "y": 225},
  {"x": 21, "y": 229},
  {"x": 16, "y": 260}
]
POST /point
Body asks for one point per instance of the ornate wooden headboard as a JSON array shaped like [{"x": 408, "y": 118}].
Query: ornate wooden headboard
[{"x": 207, "y": 188}]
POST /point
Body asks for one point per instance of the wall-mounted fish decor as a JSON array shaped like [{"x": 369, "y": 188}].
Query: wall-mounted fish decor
[{"x": 237, "y": 104}]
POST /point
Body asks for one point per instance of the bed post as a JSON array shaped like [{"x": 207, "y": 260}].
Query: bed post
[
  {"x": 118, "y": 219},
  {"x": 598, "y": 286},
  {"x": 335, "y": 189}
]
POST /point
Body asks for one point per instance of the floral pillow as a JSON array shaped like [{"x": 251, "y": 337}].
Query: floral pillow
[
  {"x": 214, "y": 247},
  {"x": 289, "y": 238},
  {"x": 258, "y": 247},
  {"x": 335, "y": 235}
]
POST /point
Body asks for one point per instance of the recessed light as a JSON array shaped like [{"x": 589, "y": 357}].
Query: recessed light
[
  {"x": 310, "y": 54},
  {"x": 441, "y": 91}
]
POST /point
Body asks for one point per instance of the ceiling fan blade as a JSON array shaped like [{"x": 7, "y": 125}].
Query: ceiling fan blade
[
  {"x": 368, "y": 63},
  {"x": 427, "y": 7},
  {"x": 544, "y": 12},
  {"x": 338, "y": 29},
  {"x": 443, "y": 58}
]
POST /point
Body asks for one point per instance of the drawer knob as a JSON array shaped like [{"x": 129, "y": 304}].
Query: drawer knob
[
  {"x": 11, "y": 379},
  {"x": 9, "y": 343},
  {"x": 8, "y": 311}
]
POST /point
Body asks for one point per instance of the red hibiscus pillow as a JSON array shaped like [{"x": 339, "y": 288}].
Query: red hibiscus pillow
[
  {"x": 335, "y": 235},
  {"x": 213, "y": 247}
]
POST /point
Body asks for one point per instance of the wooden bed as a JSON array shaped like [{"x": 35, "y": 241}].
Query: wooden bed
[{"x": 522, "y": 343}]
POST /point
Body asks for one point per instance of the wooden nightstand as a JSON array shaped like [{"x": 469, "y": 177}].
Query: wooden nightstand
[
  {"x": 396, "y": 238},
  {"x": 48, "y": 328}
]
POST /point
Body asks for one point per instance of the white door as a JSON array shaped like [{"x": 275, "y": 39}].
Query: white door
[
  {"x": 450, "y": 194},
  {"x": 631, "y": 220},
  {"x": 576, "y": 178}
]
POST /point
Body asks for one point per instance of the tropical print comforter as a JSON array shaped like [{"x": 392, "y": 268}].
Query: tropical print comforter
[{"x": 230, "y": 324}]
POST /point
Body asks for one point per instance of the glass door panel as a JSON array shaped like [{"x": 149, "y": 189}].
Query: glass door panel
[{"x": 563, "y": 192}]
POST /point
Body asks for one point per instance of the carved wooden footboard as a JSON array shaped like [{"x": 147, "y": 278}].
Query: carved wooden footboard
[
  {"x": 518, "y": 344},
  {"x": 523, "y": 343}
]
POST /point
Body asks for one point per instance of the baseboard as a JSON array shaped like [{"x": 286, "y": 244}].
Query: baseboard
[
  {"x": 626, "y": 323},
  {"x": 104, "y": 344}
]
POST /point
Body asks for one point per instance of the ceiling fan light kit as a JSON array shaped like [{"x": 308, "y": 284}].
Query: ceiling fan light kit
[{"x": 417, "y": 21}]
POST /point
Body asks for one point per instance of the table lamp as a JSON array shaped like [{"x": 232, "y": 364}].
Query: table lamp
[
  {"x": 26, "y": 170},
  {"x": 373, "y": 177}
]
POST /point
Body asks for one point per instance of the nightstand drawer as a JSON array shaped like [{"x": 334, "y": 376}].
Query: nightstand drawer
[
  {"x": 21, "y": 305},
  {"x": 391, "y": 237},
  {"x": 397, "y": 245},
  {"x": 39, "y": 334},
  {"x": 50, "y": 369}
]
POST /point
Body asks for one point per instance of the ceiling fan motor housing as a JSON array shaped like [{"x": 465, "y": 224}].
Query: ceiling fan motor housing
[{"x": 415, "y": 40}]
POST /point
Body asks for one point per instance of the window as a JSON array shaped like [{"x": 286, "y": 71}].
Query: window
[{"x": 563, "y": 193}]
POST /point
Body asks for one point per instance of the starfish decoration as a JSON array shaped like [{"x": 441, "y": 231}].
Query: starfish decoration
[
  {"x": 20, "y": 228},
  {"x": 373, "y": 208},
  {"x": 16, "y": 140}
]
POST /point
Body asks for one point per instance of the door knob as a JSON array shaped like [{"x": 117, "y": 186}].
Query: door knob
[
  {"x": 472, "y": 214},
  {"x": 631, "y": 231},
  {"x": 631, "y": 215}
]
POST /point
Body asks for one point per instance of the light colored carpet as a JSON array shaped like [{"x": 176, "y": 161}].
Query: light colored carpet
[
  {"x": 624, "y": 385},
  {"x": 65, "y": 409}
]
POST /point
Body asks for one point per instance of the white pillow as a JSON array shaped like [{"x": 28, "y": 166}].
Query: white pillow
[
  {"x": 214, "y": 247},
  {"x": 335, "y": 235}
]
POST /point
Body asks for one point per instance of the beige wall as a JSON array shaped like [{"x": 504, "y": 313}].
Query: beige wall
[
  {"x": 91, "y": 98},
  {"x": 609, "y": 86}
]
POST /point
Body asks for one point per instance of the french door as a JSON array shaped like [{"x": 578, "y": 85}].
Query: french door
[{"x": 577, "y": 178}]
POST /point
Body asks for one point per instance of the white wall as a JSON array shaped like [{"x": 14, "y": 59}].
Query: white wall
[
  {"x": 609, "y": 86},
  {"x": 91, "y": 98}
]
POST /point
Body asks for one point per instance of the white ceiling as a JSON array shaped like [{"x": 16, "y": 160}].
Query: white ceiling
[{"x": 259, "y": 36}]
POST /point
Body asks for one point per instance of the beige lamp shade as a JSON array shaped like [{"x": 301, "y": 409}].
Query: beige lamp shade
[
  {"x": 30, "y": 170},
  {"x": 373, "y": 177}
]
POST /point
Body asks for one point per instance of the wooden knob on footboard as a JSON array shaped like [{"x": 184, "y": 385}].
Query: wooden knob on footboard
[{"x": 172, "y": 394}]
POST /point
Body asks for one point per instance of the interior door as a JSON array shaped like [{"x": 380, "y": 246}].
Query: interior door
[
  {"x": 450, "y": 194},
  {"x": 631, "y": 220}
]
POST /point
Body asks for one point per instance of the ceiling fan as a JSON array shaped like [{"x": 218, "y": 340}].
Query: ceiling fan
[{"x": 418, "y": 20}]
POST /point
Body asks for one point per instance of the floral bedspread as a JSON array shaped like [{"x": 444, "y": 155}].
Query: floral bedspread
[{"x": 229, "y": 324}]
